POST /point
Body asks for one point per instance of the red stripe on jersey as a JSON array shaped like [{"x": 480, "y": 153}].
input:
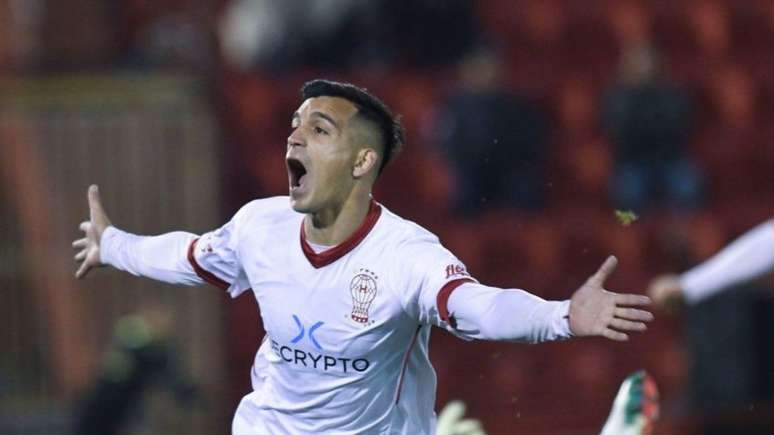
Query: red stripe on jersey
[
  {"x": 405, "y": 363},
  {"x": 203, "y": 274},
  {"x": 329, "y": 256},
  {"x": 442, "y": 301}
]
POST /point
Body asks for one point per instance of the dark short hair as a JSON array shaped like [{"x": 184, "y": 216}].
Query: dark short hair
[{"x": 369, "y": 107}]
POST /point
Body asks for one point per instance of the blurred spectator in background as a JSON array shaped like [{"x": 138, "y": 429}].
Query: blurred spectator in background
[
  {"x": 736, "y": 145},
  {"x": 173, "y": 40},
  {"x": 495, "y": 141},
  {"x": 140, "y": 357},
  {"x": 165, "y": 34},
  {"x": 429, "y": 33},
  {"x": 729, "y": 330},
  {"x": 581, "y": 159},
  {"x": 288, "y": 34},
  {"x": 649, "y": 121},
  {"x": 283, "y": 35}
]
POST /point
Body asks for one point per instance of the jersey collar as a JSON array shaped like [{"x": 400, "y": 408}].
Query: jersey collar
[{"x": 328, "y": 256}]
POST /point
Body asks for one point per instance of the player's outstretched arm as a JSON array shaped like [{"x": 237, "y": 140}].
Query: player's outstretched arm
[
  {"x": 172, "y": 257},
  {"x": 746, "y": 258},
  {"x": 88, "y": 247},
  {"x": 488, "y": 313},
  {"x": 595, "y": 311}
]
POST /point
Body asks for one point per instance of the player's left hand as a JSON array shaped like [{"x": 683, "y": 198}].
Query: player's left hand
[{"x": 595, "y": 311}]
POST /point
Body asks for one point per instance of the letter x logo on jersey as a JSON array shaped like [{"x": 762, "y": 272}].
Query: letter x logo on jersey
[{"x": 310, "y": 333}]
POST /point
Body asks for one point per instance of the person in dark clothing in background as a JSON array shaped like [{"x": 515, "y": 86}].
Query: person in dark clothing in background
[
  {"x": 649, "y": 121},
  {"x": 495, "y": 141},
  {"x": 282, "y": 35},
  {"x": 139, "y": 357}
]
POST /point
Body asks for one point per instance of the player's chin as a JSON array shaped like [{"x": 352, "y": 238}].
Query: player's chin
[{"x": 299, "y": 201}]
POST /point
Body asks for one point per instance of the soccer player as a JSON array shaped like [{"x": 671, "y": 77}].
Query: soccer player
[
  {"x": 348, "y": 290},
  {"x": 746, "y": 258}
]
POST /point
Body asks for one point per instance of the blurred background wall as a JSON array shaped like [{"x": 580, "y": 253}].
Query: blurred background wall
[{"x": 529, "y": 124}]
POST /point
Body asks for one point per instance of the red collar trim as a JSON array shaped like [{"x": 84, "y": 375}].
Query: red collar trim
[{"x": 328, "y": 256}]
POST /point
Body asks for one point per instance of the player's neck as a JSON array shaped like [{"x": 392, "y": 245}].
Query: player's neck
[{"x": 333, "y": 225}]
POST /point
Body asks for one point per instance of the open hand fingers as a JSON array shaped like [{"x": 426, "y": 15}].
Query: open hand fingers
[
  {"x": 95, "y": 203},
  {"x": 84, "y": 226},
  {"x": 615, "y": 335},
  {"x": 627, "y": 325},
  {"x": 83, "y": 270},
  {"x": 633, "y": 314},
  {"x": 80, "y": 256},
  {"x": 93, "y": 229},
  {"x": 630, "y": 299},
  {"x": 80, "y": 243},
  {"x": 604, "y": 271}
]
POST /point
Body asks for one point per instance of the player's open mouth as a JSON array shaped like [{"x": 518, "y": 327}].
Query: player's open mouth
[{"x": 296, "y": 173}]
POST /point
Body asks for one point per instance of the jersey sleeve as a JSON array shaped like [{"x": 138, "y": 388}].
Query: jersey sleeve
[
  {"x": 179, "y": 257},
  {"x": 489, "y": 313},
  {"x": 430, "y": 273},
  {"x": 214, "y": 258},
  {"x": 746, "y": 258},
  {"x": 440, "y": 291}
]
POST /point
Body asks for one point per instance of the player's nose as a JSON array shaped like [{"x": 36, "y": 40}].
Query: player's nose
[{"x": 296, "y": 138}]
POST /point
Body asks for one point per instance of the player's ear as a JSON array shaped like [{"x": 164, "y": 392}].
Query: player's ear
[{"x": 366, "y": 160}]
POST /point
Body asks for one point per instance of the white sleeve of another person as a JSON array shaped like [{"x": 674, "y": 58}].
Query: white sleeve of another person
[{"x": 746, "y": 258}]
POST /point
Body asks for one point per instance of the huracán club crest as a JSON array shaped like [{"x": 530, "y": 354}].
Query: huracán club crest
[{"x": 363, "y": 291}]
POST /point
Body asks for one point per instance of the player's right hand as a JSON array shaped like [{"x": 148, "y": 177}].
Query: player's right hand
[
  {"x": 666, "y": 292},
  {"x": 88, "y": 247}
]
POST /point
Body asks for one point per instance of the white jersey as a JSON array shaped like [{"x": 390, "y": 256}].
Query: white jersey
[
  {"x": 347, "y": 329},
  {"x": 746, "y": 258}
]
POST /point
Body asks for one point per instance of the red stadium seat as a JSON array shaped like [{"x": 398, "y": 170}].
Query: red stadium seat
[
  {"x": 630, "y": 22},
  {"x": 581, "y": 169},
  {"x": 709, "y": 22}
]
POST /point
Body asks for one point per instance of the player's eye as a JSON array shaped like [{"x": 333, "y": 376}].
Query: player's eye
[{"x": 320, "y": 130}]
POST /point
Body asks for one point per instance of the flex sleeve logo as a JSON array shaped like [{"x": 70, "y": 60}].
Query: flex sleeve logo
[{"x": 456, "y": 270}]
